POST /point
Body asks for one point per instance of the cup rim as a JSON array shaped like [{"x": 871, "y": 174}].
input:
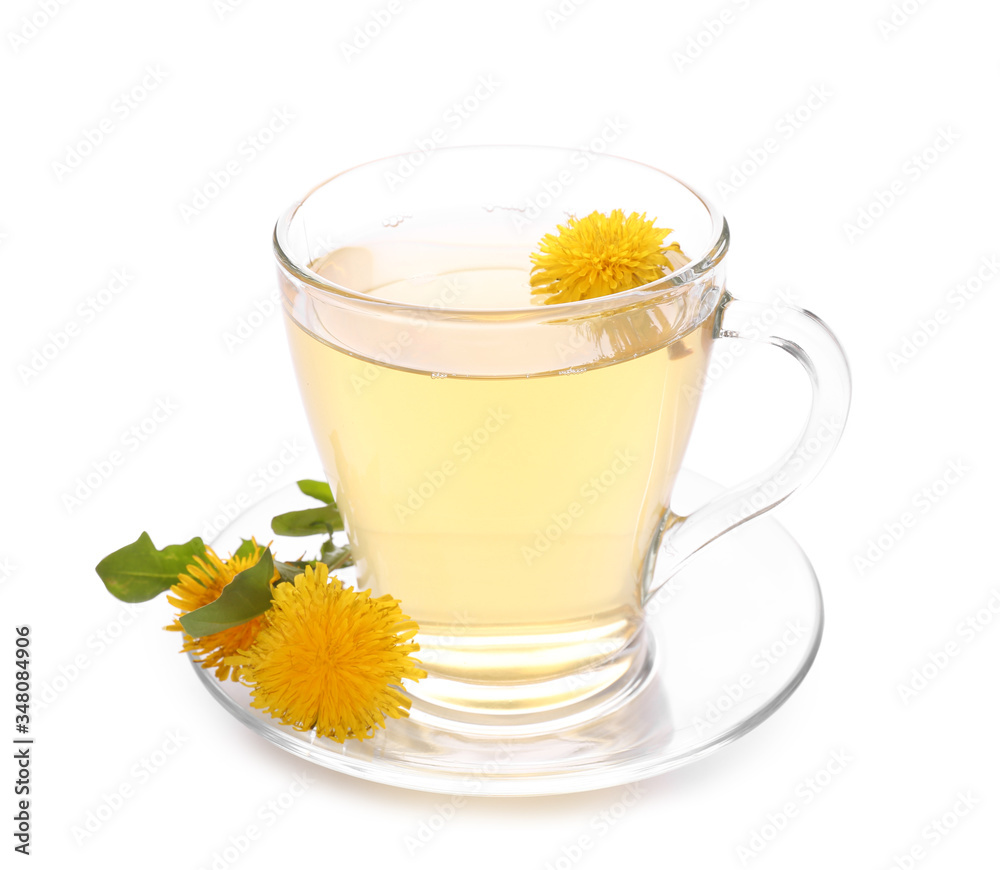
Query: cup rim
[{"x": 664, "y": 288}]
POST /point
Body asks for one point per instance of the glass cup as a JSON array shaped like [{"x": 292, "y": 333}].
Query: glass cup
[{"x": 505, "y": 467}]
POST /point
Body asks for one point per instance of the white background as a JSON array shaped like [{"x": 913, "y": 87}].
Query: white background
[{"x": 116, "y": 686}]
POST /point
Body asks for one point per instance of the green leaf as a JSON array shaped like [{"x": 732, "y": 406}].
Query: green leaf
[
  {"x": 314, "y": 521},
  {"x": 339, "y": 557},
  {"x": 246, "y": 549},
  {"x": 288, "y": 571},
  {"x": 247, "y": 596},
  {"x": 139, "y": 572},
  {"x": 318, "y": 489}
]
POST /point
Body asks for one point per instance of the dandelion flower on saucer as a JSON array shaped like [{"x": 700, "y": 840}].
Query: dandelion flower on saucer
[
  {"x": 202, "y": 584},
  {"x": 331, "y": 658},
  {"x": 602, "y": 254}
]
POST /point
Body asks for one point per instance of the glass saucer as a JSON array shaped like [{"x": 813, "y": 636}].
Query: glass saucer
[{"x": 735, "y": 632}]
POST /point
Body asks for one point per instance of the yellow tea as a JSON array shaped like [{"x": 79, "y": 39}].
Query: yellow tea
[{"x": 506, "y": 513}]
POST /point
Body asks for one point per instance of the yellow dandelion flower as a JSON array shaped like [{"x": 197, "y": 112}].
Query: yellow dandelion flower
[
  {"x": 202, "y": 584},
  {"x": 602, "y": 254},
  {"x": 331, "y": 658}
]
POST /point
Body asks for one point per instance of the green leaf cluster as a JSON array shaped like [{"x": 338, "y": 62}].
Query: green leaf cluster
[{"x": 139, "y": 572}]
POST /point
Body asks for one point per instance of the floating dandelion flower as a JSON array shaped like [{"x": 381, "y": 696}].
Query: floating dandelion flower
[{"x": 602, "y": 254}]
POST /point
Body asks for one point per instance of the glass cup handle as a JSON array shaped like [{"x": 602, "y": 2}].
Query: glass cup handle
[{"x": 810, "y": 341}]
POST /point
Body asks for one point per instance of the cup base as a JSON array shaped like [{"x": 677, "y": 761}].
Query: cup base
[
  {"x": 542, "y": 705},
  {"x": 729, "y": 639}
]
